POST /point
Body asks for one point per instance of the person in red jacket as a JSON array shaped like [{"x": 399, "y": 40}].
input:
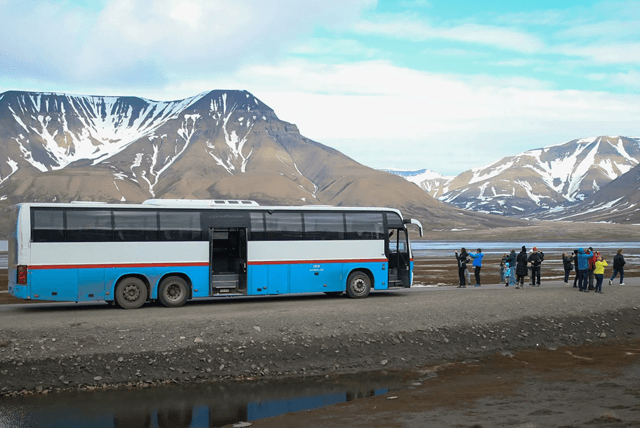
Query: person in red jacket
[{"x": 592, "y": 266}]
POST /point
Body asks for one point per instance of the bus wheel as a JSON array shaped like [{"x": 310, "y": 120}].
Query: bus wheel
[
  {"x": 173, "y": 292},
  {"x": 131, "y": 293},
  {"x": 358, "y": 285}
]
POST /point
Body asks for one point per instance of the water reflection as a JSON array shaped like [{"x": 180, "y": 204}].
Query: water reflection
[{"x": 195, "y": 406}]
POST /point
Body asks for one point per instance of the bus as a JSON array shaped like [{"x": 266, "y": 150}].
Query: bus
[{"x": 172, "y": 251}]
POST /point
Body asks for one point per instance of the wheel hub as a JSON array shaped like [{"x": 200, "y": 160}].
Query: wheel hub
[
  {"x": 174, "y": 292},
  {"x": 359, "y": 285},
  {"x": 131, "y": 293}
]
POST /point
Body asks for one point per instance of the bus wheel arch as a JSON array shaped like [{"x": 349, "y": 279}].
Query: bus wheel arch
[
  {"x": 131, "y": 291},
  {"x": 174, "y": 290},
  {"x": 359, "y": 283}
]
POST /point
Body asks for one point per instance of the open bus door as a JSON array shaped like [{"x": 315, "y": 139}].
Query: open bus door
[
  {"x": 228, "y": 260},
  {"x": 399, "y": 259}
]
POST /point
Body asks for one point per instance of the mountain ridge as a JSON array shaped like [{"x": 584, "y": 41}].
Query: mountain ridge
[
  {"x": 542, "y": 182},
  {"x": 217, "y": 144}
]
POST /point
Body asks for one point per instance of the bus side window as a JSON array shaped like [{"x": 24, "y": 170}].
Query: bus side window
[
  {"x": 257, "y": 226},
  {"x": 284, "y": 226},
  {"x": 47, "y": 225},
  {"x": 135, "y": 225},
  {"x": 180, "y": 226},
  {"x": 89, "y": 226},
  {"x": 323, "y": 226},
  {"x": 364, "y": 226}
]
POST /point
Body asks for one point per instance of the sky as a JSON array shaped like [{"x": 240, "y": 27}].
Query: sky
[{"x": 407, "y": 84}]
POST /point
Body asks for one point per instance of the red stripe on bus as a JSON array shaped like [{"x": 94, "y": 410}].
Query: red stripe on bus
[
  {"x": 197, "y": 264},
  {"x": 298, "y": 262},
  {"x": 126, "y": 265}
]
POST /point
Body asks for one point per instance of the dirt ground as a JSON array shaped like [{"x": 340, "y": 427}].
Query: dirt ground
[{"x": 597, "y": 385}]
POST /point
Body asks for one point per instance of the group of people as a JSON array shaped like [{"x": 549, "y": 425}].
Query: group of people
[
  {"x": 589, "y": 267},
  {"x": 463, "y": 258},
  {"x": 515, "y": 267}
]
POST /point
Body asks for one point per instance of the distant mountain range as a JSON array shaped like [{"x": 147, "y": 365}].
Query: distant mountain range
[
  {"x": 218, "y": 144},
  {"x": 589, "y": 178},
  {"x": 429, "y": 181}
]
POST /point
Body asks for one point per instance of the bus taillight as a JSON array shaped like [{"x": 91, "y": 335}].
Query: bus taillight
[{"x": 22, "y": 275}]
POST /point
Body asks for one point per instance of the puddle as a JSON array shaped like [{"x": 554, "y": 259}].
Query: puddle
[{"x": 202, "y": 405}]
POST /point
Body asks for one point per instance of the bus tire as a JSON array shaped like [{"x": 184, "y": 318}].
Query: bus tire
[
  {"x": 131, "y": 293},
  {"x": 173, "y": 292},
  {"x": 358, "y": 285}
]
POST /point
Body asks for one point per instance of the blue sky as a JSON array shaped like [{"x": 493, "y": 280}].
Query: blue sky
[{"x": 409, "y": 84}]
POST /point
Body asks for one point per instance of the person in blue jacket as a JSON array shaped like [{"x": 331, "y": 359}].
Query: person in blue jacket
[
  {"x": 583, "y": 269},
  {"x": 477, "y": 265}
]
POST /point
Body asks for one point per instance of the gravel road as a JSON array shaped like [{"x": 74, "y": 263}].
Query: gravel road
[{"x": 51, "y": 347}]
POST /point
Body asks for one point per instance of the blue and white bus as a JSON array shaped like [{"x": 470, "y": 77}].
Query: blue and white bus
[{"x": 176, "y": 250}]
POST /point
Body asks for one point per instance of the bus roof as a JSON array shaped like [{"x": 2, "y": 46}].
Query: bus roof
[{"x": 200, "y": 204}]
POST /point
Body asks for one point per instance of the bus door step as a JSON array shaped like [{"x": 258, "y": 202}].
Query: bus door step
[
  {"x": 225, "y": 284},
  {"x": 225, "y": 281},
  {"x": 396, "y": 283}
]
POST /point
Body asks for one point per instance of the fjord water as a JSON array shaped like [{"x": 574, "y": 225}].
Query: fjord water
[
  {"x": 195, "y": 406},
  {"x": 447, "y": 248}
]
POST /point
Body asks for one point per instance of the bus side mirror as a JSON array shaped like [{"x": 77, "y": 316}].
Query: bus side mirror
[{"x": 415, "y": 222}]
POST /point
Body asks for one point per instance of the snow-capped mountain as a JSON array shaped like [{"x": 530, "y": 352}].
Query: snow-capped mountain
[
  {"x": 540, "y": 180},
  {"x": 218, "y": 144},
  {"x": 429, "y": 181},
  {"x": 618, "y": 202}
]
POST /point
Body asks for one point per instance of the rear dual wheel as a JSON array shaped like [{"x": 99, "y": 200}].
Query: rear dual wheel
[
  {"x": 173, "y": 292},
  {"x": 131, "y": 293}
]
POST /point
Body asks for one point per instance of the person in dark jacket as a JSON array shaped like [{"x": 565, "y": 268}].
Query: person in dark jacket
[
  {"x": 536, "y": 258},
  {"x": 521, "y": 267},
  {"x": 618, "y": 266},
  {"x": 511, "y": 259},
  {"x": 583, "y": 268},
  {"x": 568, "y": 267},
  {"x": 575, "y": 266},
  {"x": 463, "y": 259}
]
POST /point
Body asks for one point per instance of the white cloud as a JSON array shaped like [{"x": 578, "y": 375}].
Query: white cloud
[
  {"x": 606, "y": 54},
  {"x": 149, "y": 42},
  {"x": 327, "y": 47},
  {"x": 631, "y": 78},
  {"x": 405, "y": 27},
  {"x": 374, "y": 111}
]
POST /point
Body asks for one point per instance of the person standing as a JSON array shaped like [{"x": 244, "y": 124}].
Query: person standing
[
  {"x": 477, "y": 265},
  {"x": 592, "y": 266},
  {"x": 507, "y": 274},
  {"x": 536, "y": 258},
  {"x": 583, "y": 269},
  {"x": 512, "y": 267},
  {"x": 568, "y": 267},
  {"x": 618, "y": 266},
  {"x": 521, "y": 267},
  {"x": 575, "y": 265},
  {"x": 599, "y": 273},
  {"x": 462, "y": 258}
]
